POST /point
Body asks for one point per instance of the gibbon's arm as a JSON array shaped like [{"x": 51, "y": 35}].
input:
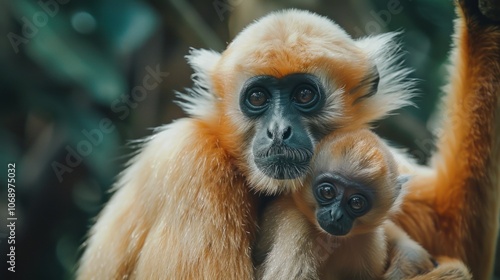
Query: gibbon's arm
[
  {"x": 454, "y": 210},
  {"x": 448, "y": 269},
  {"x": 286, "y": 246},
  {"x": 408, "y": 258},
  {"x": 151, "y": 227}
]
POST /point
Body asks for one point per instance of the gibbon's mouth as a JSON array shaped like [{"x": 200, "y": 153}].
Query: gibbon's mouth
[
  {"x": 281, "y": 162},
  {"x": 336, "y": 229},
  {"x": 340, "y": 226}
]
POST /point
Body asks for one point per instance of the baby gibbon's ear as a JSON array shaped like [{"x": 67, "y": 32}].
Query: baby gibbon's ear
[
  {"x": 403, "y": 179},
  {"x": 400, "y": 193}
]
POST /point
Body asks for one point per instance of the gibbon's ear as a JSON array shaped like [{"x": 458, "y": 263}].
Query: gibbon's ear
[
  {"x": 370, "y": 83},
  {"x": 400, "y": 187},
  {"x": 402, "y": 180},
  {"x": 390, "y": 86},
  {"x": 199, "y": 100}
]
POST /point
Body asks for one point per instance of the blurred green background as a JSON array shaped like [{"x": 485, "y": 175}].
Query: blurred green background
[{"x": 73, "y": 95}]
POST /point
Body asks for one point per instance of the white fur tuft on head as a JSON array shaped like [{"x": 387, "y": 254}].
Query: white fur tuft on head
[
  {"x": 199, "y": 100},
  {"x": 395, "y": 89}
]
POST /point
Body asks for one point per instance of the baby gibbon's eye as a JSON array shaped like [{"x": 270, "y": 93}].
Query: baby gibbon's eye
[
  {"x": 357, "y": 203},
  {"x": 326, "y": 192}
]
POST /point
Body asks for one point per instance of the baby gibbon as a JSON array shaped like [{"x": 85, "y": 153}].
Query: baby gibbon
[{"x": 337, "y": 225}]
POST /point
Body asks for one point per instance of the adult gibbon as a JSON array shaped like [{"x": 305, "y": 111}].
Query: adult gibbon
[
  {"x": 185, "y": 207},
  {"x": 337, "y": 226},
  {"x": 452, "y": 208}
]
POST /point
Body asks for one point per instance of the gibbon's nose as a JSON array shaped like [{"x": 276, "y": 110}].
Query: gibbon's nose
[
  {"x": 336, "y": 215},
  {"x": 278, "y": 135}
]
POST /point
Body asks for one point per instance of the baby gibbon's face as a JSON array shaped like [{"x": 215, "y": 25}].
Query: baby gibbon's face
[
  {"x": 340, "y": 202},
  {"x": 353, "y": 186}
]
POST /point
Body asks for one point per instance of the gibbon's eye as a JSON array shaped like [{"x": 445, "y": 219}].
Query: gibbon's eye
[
  {"x": 357, "y": 203},
  {"x": 305, "y": 96},
  {"x": 326, "y": 192},
  {"x": 257, "y": 98}
]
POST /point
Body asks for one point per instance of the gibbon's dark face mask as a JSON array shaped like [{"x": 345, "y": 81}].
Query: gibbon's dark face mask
[
  {"x": 282, "y": 146},
  {"x": 340, "y": 202}
]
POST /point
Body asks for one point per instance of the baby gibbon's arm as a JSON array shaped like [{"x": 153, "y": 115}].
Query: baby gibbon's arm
[{"x": 409, "y": 260}]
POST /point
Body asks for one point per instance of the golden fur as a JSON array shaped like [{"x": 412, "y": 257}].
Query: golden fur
[
  {"x": 138, "y": 237},
  {"x": 454, "y": 209},
  {"x": 184, "y": 208}
]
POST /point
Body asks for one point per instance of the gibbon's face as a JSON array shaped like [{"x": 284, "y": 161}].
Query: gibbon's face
[
  {"x": 353, "y": 186},
  {"x": 285, "y": 82},
  {"x": 282, "y": 146},
  {"x": 340, "y": 202}
]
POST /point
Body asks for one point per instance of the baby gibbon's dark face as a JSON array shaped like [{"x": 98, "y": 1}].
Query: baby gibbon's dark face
[{"x": 340, "y": 202}]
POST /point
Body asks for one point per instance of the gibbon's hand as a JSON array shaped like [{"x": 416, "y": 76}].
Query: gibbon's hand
[
  {"x": 407, "y": 259},
  {"x": 489, "y": 9}
]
